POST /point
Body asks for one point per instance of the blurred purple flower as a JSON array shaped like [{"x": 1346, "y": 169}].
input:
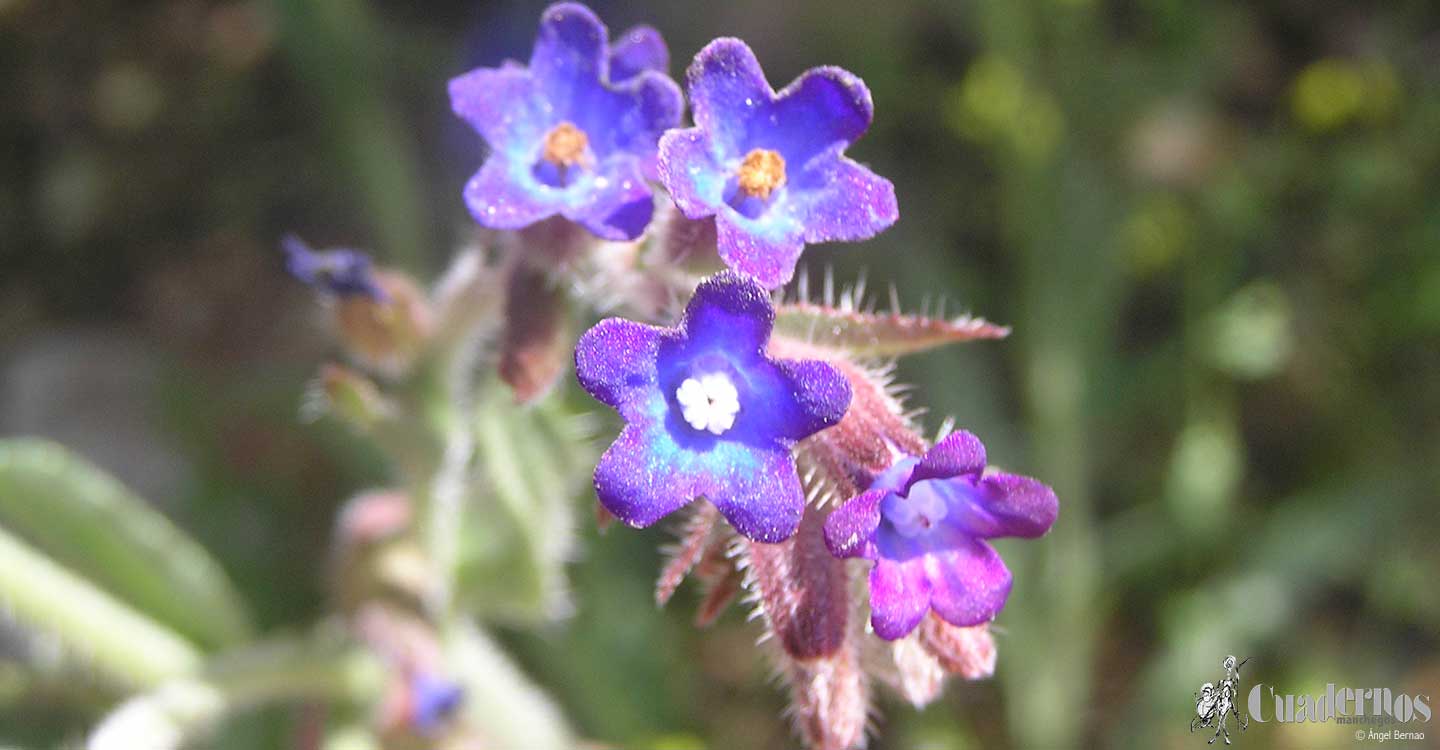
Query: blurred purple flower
[
  {"x": 771, "y": 167},
  {"x": 433, "y": 700},
  {"x": 707, "y": 411},
  {"x": 341, "y": 272},
  {"x": 576, "y": 132},
  {"x": 923, "y": 522}
]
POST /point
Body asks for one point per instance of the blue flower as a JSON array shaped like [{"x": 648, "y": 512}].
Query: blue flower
[
  {"x": 771, "y": 167},
  {"x": 923, "y": 522},
  {"x": 433, "y": 700},
  {"x": 576, "y": 132},
  {"x": 341, "y": 272},
  {"x": 708, "y": 412}
]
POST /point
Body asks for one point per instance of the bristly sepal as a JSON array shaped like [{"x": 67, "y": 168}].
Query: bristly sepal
[
  {"x": 696, "y": 537},
  {"x": 969, "y": 652}
]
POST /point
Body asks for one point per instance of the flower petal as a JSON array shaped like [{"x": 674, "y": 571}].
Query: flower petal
[
  {"x": 838, "y": 200},
  {"x": 729, "y": 312},
  {"x": 498, "y": 196},
  {"x": 969, "y": 583},
  {"x": 644, "y": 476},
  {"x": 618, "y": 204},
  {"x": 850, "y": 528},
  {"x": 569, "y": 56},
  {"x": 768, "y": 253},
  {"x": 899, "y": 597},
  {"x": 616, "y": 363},
  {"x": 637, "y": 50},
  {"x": 824, "y": 108},
  {"x": 820, "y": 396},
  {"x": 760, "y": 494},
  {"x": 727, "y": 86},
  {"x": 503, "y": 104},
  {"x": 689, "y": 172},
  {"x": 959, "y": 454},
  {"x": 649, "y": 104},
  {"x": 1019, "y": 506}
]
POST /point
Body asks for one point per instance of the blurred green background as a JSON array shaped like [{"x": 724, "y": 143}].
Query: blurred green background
[{"x": 1212, "y": 225}]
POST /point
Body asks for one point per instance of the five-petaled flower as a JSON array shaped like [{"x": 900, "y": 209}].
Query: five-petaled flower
[
  {"x": 708, "y": 412},
  {"x": 923, "y": 522},
  {"x": 771, "y": 167},
  {"x": 576, "y": 132}
]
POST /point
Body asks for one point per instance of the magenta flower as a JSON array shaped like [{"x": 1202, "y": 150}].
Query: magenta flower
[
  {"x": 771, "y": 167},
  {"x": 576, "y": 132},
  {"x": 707, "y": 411},
  {"x": 923, "y": 522}
]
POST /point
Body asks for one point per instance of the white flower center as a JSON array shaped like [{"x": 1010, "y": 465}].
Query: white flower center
[
  {"x": 915, "y": 515},
  {"x": 709, "y": 403}
]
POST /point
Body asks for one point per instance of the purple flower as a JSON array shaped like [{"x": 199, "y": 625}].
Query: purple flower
[
  {"x": 341, "y": 272},
  {"x": 707, "y": 411},
  {"x": 576, "y": 132},
  {"x": 433, "y": 700},
  {"x": 771, "y": 166},
  {"x": 923, "y": 522}
]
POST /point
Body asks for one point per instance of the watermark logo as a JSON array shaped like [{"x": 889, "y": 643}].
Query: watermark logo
[
  {"x": 1216, "y": 704},
  {"x": 1380, "y": 708}
]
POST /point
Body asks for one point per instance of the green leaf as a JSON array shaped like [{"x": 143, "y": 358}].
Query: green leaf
[
  {"x": 518, "y": 520},
  {"x": 110, "y": 637},
  {"x": 504, "y": 705},
  {"x": 88, "y": 522},
  {"x": 869, "y": 334}
]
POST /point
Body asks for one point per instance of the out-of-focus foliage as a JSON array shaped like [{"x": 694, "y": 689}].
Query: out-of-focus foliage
[
  {"x": 1213, "y": 228},
  {"x": 88, "y": 522}
]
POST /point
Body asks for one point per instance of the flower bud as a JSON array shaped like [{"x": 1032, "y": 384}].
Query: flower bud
[
  {"x": 804, "y": 594},
  {"x": 386, "y": 333},
  {"x": 373, "y": 556},
  {"x": 352, "y": 396},
  {"x": 535, "y": 342},
  {"x": 383, "y": 317}
]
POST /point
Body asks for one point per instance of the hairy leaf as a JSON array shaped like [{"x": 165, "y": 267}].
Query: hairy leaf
[
  {"x": 87, "y": 521},
  {"x": 502, "y": 703},
  {"x": 118, "y": 642},
  {"x": 870, "y": 334},
  {"x": 518, "y": 519}
]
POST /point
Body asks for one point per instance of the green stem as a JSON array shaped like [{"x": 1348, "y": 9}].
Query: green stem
[
  {"x": 119, "y": 641},
  {"x": 176, "y": 712}
]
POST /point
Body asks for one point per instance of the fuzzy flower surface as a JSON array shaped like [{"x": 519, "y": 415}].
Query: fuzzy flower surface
[
  {"x": 575, "y": 132},
  {"x": 924, "y": 522},
  {"x": 771, "y": 166},
  {"x": 340, "y": 272},
  {"x": 708, "y": 412}
]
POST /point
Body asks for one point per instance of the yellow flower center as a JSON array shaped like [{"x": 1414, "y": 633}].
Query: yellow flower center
[
  {"x": 565, "y": 145},
  {"x": 761, "y": 172}
]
